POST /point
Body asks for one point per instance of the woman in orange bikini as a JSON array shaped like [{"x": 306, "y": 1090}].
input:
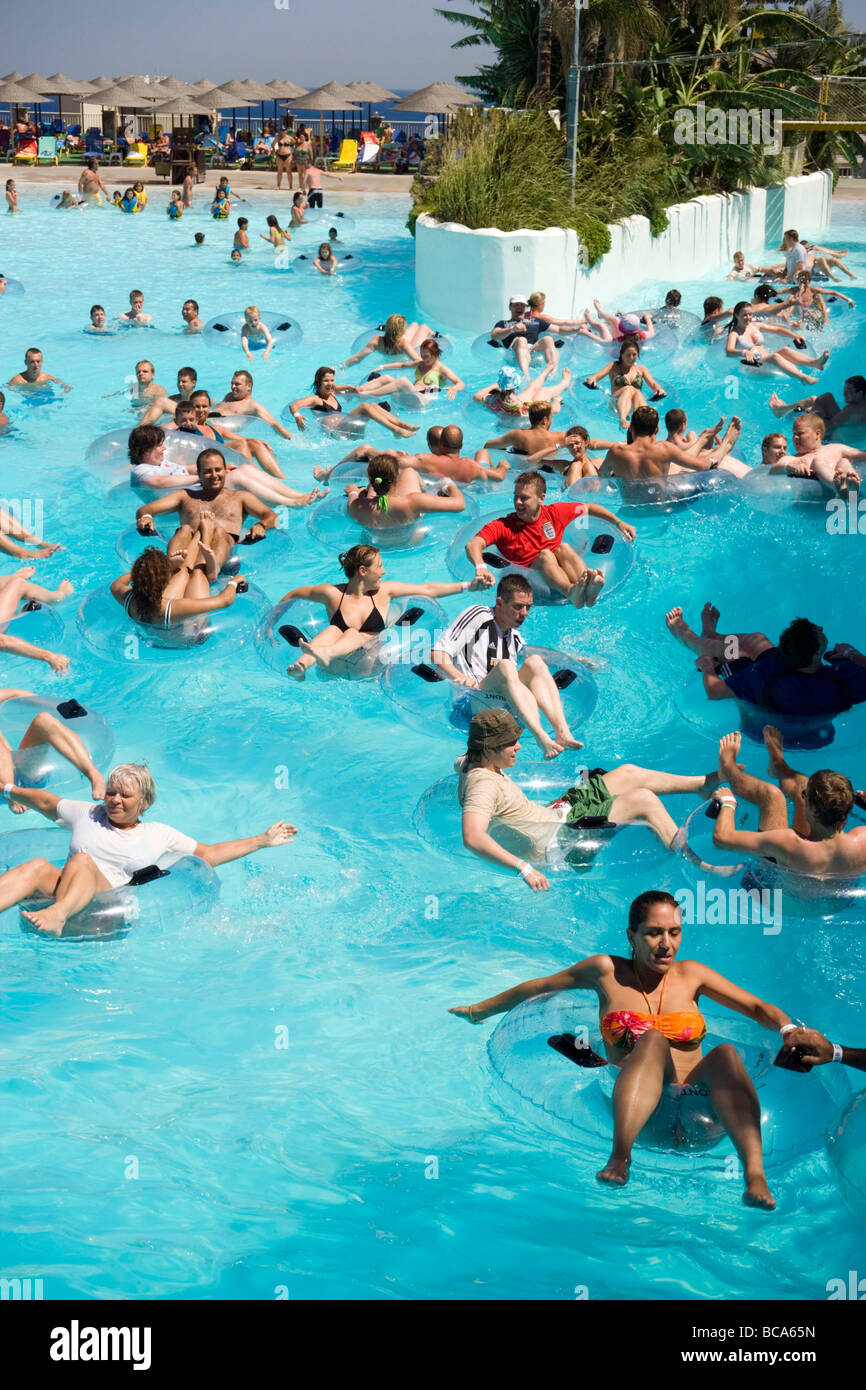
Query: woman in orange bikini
[{"x": 652, "y": 1030}]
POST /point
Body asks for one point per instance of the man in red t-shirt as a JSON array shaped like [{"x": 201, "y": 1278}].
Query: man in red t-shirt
[{"x": 531, "y": 537}]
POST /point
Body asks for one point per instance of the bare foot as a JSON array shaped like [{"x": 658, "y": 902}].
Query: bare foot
[
  {"x": 566, "y": 738},
  {"x": 775, "y": 746},
  {"x": 810, "y": 380},
  {"x": 758, "y": 1194},
  {"x": 566, "y": 377},
  {"x": 615, "y": 1172},
  {"x": 316, "y": 493},
  {"x": 97, "y": 786},
  {"x": 16, "y": 808},
  {"x": 777, "y": 405},
  {"x": 709, "y": 620},
  {"x": 320, "y": 473},
  {"x": 821, "y": 364},
  {"x": 26, "y": 572},
  {"x": 550, "y": 748},
  {"x": 729, "y": 747},
  {"x": 594, "y": 586},
  {"x": 679, "y": 628},
  {"x": 63, "y": 590},
  {"x": 48, "y": 919},
  {"x": 297, "y": 671},
  {"x": 577, "y": 592},
  {"x": 319, "y": 657},
  {"x": 211, "y": 568}
]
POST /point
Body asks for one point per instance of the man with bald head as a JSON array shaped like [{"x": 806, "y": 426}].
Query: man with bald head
[{"x": 444, "y": 459}]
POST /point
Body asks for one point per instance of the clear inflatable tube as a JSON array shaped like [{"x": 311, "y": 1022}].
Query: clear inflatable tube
[
  {"x": 684, "y": 1134},
  {"x": 110, "y": 633},
  {"x": 39, "y": 626},
  {"x": 412, "y": 623},
  {"x": 846, "y": 1150},
  {"x": 656, "y": 496},
  {"x": 333, "y": 219},
  {"x": 363, "y": 339},
  {"x": 615, "y": 560},
  {"x": 714, "y": 718},
  {"x": 426, "y": 700},
  {"x": 348, "y": 263},
  {"x": 274, "y": 550},
  {"x": 330, "y": 523},
  {"x": 186, "y": 889},
  {"x": 226, "y": 328},
  {"x": 815, "y": 897},
  {"x": 573, "y": 849},
  {"x": 42, "y": 765},
  {"x": 777, "y": 494},
  {"x": 111, "y": 450},
  {"x": 340, "y": 424},
  {"x": 13, "y": 287}
]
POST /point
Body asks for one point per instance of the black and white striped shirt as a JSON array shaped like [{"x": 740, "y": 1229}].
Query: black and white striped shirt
[{"x": 475, "y": 642}]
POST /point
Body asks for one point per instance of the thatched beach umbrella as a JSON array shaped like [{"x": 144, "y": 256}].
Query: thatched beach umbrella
[
  {"x": 285, "y": 90},
  {"x": 225, "y": 98},
  {"x": 58, "y": 85},
  {"x": 437, "y": 99},
  {"x": 17, "y": 94},
  {"x": 333, "y": 96}
]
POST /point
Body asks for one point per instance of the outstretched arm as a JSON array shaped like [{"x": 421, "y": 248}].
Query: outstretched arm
[
  {"x": 723, "y": 991},
  {"x": 264, "y": 414},
  {"x": 43, "y": 802},
  {"x": 584, "y": 975},
  {"x": 222, "y": 853}
]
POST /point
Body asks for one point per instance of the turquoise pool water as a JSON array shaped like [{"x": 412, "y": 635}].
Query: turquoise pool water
[{"x": 273, "y": 1098}]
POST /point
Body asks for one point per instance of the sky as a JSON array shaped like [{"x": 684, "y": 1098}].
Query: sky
[{"x": 401, "y": 44}]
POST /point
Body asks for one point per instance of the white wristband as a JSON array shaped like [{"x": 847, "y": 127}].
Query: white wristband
[
  {"x": 524, "y": 869},
  {"x": 788, "y": 1028},
  {"x": 479, "y": 567},
  {"x": 727, "y": 801},
  {"x": 837, "y": 1053},
  {"x": 7, "y": 789},
  {"x": 465, "y": 586}
]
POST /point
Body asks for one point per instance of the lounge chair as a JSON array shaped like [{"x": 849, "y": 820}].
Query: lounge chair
[
  {"x": 136, "y": 154},
  {"x": 26, "y": 151},
  {"x": 348, "y": 156},
  {"x": 47, "y": 151}
]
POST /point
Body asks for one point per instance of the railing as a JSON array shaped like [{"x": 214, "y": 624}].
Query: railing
[{"x": 840, "y": 103}]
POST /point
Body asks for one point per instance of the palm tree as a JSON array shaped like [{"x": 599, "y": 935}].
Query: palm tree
[{"x": 545, "y": 44}]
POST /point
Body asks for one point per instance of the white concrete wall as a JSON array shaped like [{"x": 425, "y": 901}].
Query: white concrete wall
[{"x": 463, "y": 278}]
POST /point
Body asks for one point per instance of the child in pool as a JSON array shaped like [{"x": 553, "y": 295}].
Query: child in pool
[
  {"x": 242, "y": 241},
  {"x": 175, "y": 207},
  {"x": 255, "y": 331},
  {"x": 326, "y": 262}
]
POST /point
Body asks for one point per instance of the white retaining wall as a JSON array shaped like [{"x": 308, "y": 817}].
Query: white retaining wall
[{"x": 463, "y": 278}]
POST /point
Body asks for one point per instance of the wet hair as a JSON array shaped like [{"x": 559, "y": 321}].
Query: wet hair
[
  {"x": 243, "y": 221},
  {"x": 94, "y": 307},
  {"x": 579, "y": 430},
  {"x": 142, "y": 439},
  {"x": 188, "y": 371},
  {"x": 533, "y": 480},
  {"x": 673, "y": 298},
  {"x": 511, "y": 584},
  {"x": 768, "y": 438},
  {"x": 359, "y": 557},
  {"x": 199, "y": 238},
  {"x": 799, "y": 644},
  {"x": 209, "y": 453},
  {"x": 321, "y": 373},
  {"x": 383, "y": 473},
  {"x": 735, "y": 314},
  {"x": 201, "y": 392},
  {"x": 272, "y": 222},
  {"x": 814, "y": 422},
  {"x": 242, "y": 371},
  {"x": 763, "y": 293},
  {"x": 137, "y": 773},
  {"x": 451, "y": 439},
  {"x": 298, "y": 198},
  {"x": 858, "y": 382},
  {"x": 831, "y": 797},
  {"x": 184, "y": 408},
  {"x": 31, "y": 350},
  {"x": 537, "y": 300},
  {"x": 193, "y": 302},
  {"x": 135, "y": 294},
  {"x": 325, "y": 246},
  {"x": 642, "y": 905},
  {"x": 675, "y": 420},
  {"x": 145, "y": 362},
  {"x": 2, "y": 400},
  {"x": 712, "y": 305},
  {"x": 539, "y": 411},
  {"x": 150, "y": 573},
  {"x": 431, "y": 345},
  {"x": 644, "y": 421},
  {"x": 392, "y": 332}
]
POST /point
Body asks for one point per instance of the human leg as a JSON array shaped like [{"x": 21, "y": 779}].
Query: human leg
[
  {"x": 791, "y": 782},
  {"x": 79, "y": 880},
  {"x": 736, "y": 1103},
  {"x": 636, "y": 1094},
  {"x": 47, "y": 728},
  {"x": 770, "y": 800}
]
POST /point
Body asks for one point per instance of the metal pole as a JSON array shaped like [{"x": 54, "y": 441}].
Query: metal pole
[{"x": 573, "y": 99}]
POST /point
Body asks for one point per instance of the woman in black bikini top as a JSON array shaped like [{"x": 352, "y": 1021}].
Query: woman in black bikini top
[{"x": 372, "y": 624}]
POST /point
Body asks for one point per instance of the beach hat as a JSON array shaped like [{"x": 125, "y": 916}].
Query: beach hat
[
  {"x": 509, "y": 379},
  {"x": 491, "y": 729},
  {"x": 629, "y": 323}
]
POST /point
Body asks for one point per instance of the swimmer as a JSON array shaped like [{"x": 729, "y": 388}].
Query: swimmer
[
  {"x": 141, "y": 196},
  {"x": 531, "y": 536},
  {"x": 655, "y": 1042},
  {"x": 251, "y": 448},
  {"x": 11, "y": 197},
  {"x": 799, "y": 678},
  {"x": 161, "y": 590},
  {"x": 334, "y": 237},
  {"x": 276, "y": 235},
  {"x": 189, "y": 314},
  {"x": 481, "y": 650},
  {"x": 145, "y": 389},
  {"x": 831, "y": 464},
  {"x": 198, "y": 239},
  {"x": 239, "y": 401},
  {"x": 324, "y": 399},
  {"x": 539, "y": 437},
  {"x": 45, "y": 728},
  {"x": 853, "y": 412},
  {"x": 17, "y": 588},
  {"x": 175, "y": 206},
  {"x": 109, "y": 844},
  {"x": 822, "y": 258},
  {"x": 90, "y": 185},
  {"x": 97, "y": 320},
  {"x": 236, "y": 258},
  {"x": 509, "y": 395},
  {"x": 134, "y": 313},
  {"x": 311, "y": 178},
  {"x": 818, "y": 843},
  {"x": 795, "y": 258},
  {"x": 357, "y": 610},
  {"x": 615, "y": 327},
  {"x": 33, "y": 374},
  {"x": 149, "y": 467},
  {"x": 128, "y": 202},
  {"x": 187, "y": 190},
  {"x": 396, "y": 497},
  {"x": 646, "y": 456},
  {"x": 537, "y": 310},
  {"x": 4, "y": 418},
  {"x": 395, "y": 337},
  {"x": 743, "y": 269},
  {"x": 627, "y": 376},
  {"x": 706, "y": 443},
  {"x": 254, "y": 331},
  {"x": 241, "y": 239},
  {"x": 299, "y": 206},
  {"x": 578, "y": 464},
  {"x": 443, "y": 459},
  {"x": 186, "y": 382},
  {"x": 220, "y": 206},
  {"x": 431, "y": 375},
  {"x": 524, "y": 335},
  {"x": 226, "y": 509},
  {"x": 67, "y": 200},
  {"x": 327, "y": 264}
]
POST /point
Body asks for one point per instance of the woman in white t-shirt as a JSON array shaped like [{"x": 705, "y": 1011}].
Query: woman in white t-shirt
[{"x": 108, "y": 845}]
